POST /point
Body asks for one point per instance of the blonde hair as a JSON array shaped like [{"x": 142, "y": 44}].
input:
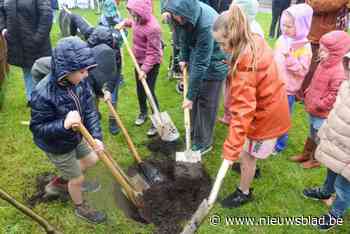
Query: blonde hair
[{"x": 235, "y": 28}]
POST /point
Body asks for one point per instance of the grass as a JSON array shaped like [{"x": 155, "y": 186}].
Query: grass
[{"x": 277, "y": 193}]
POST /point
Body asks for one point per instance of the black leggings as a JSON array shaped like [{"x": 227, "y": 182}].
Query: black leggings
[
  {"x": 278, "y": 6},
  {"x": 151, "y": 81}
]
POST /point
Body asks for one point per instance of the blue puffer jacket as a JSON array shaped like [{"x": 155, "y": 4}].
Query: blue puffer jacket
[
  {"x": 52, "y": 100},
  {"x": 198, "y": 47}
]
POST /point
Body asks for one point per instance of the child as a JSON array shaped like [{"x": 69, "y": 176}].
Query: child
[
  {"x": 293, "y": 54},
  {"x": 259, "y": 105},
  {"x": 148, "y": 52},
  {"x": 193, "y": 21},
  {"x": 333, "y": 152},
  {"x": 250, "y": 8},
  {"x": 322, "y": 92},
  {"x": 61, "y": 100}
]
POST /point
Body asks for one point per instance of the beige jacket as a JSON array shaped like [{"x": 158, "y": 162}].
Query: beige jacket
[{"x": 334, "y": 148}]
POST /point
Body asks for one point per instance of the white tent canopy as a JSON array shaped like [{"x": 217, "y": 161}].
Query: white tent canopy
[{"x": 79, "y": 3}]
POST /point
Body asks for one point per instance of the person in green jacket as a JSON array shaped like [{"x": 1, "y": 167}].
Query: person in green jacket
[{"x": 202, "y": 55}]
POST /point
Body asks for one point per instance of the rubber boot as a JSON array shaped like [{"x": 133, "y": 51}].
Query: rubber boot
[
  {"x": 312, "y": 162},
  {"x": 309, "y": 146}
]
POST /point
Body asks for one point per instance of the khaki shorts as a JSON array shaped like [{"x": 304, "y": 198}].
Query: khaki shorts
[
  {"x": 68, "y": 164},
  {"x": 260, "y": 149}
]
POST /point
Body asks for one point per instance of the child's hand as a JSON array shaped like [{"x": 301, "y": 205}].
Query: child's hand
[
  {"x": 72, "y": 118},
  {"x": 182, "y": 65},
  {"x": 120, "y": 26},
  {"x": 142, "y": 75},
  {"x": 99, "y": 147},
  {"x": 107, "y": 96},
  {"x": 187, "y": 104},
  {"x": 166, "y": 16}
]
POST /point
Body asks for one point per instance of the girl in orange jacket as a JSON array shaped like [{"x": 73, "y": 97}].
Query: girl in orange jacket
[{"x": 259, "y": 105}]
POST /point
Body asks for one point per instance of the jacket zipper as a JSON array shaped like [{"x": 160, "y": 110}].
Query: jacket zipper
[{"x": 76, "y": 101}]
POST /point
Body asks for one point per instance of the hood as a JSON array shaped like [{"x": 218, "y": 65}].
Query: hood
[
  {"x": 338, "y": 44},
  {"x": 189, "y": 9},
  {"x": 101, "y": 35},
  {"x": 71, "y": 54},
  {"x": 249, "y": 7},
  {"x": 143, "y": 8},
  {"x": 302, "y": 14}
]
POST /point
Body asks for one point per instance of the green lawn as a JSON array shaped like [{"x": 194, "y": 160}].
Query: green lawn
[{"x": 277, "y": 193}]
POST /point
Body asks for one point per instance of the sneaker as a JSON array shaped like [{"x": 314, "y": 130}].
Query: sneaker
[
  {"x": 327, "y": 222},
  {"x": 56, "y": 186},
  {"x": 113, "y": 127},
  {"x": 205, "y": 150},
  {"x": 90, "y": 186},
  {"x": 84, "y": 211},
  {"x": 141, "y": 119},
  {"x": 195, "y": 147},
  {"x": 179, "y": 87},
  {"x": 316, "y": 194},
  {"x": 152, "y": 131},
  {"x": 237, "y": 199}
]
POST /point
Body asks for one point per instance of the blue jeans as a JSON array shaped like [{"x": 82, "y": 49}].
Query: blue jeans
[
  {"x": 337, "y": 184},
  {"x": 282, "y": 140},
  {"x": 315, "y": 125},
  {"x": 116, "y": 89},
  {"x": 28, "y": 81}
]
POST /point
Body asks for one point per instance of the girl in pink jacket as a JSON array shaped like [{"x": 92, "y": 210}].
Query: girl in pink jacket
[
  {"x": 323, "y": 90},
  {"x": 293, "y": 54},
  {"x": 147, "y": 47}
]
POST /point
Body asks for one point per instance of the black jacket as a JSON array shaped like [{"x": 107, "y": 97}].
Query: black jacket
[
  {"x": 51, "y": 101},
  {"x": 29, "y": 24}
]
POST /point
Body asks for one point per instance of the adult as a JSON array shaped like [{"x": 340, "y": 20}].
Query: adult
[
  {"x": 194, "y": 21},
  {"x": 328, "y": 15},
  {"x": 26, "y": 25},
  {"x": 278, "y": 6}
]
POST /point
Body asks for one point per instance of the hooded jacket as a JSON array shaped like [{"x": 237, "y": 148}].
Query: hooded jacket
[
  {"x": 322, "y": 92},
  {"x": 198, "y": 47},
  {"x": 28, "y": 24},
  {"x": 258, "y": 102},
  {"x": 147, "y": 43},
  {"x": 295, "y": 65},
  {"x": 51, "y": 101}
]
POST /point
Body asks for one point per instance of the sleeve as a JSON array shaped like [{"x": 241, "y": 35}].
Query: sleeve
[
  {"x": 325, "y": 6},
  {"x": 45, "y": 21},
  {"x": 44, "y": 122},
  {"x": 243, "y": 111},
  {"x": 326, "y": 102},
  {"x": 153, "y": 50},
  {"x": 2, "y": 15},
  {"x": 184, "y": 44},
  {"x": 200, "y": 62},
  {"x": 299, "y": 66},
  {"x": 91, "y": 119},
  {"x": 111, "y": 69}
]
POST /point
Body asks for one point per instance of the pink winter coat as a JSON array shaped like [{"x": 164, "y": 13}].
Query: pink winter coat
[
  {"x": 295, "y": 65},
  {"x": 322, "y": 92},
  {"x": 147, "y": 45}
]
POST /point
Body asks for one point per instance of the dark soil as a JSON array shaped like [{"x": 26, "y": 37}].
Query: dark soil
[
  {"x": 171, "y": 203},
  {"x": 157, "y": 145},
  {"x": 40, "y": 195}
]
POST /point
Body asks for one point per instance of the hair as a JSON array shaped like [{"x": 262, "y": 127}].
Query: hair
[{"x": 234, "y": 27}]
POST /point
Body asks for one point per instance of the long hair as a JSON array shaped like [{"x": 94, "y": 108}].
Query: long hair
[{"x": 234, "y": 27}]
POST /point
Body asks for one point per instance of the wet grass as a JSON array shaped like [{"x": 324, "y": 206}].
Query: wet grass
[{"x": 277, "y": 193}]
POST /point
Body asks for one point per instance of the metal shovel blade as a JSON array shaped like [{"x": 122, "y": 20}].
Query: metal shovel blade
[
  {"x": 166, "y": 128},
  {"x": 188, "y": 156},
  {"x": 152, "y": 174},
  {"x": 197, "y": 218},
  {"x": 139, "y": 183}
]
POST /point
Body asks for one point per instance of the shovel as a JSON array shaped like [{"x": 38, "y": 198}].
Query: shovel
[
  {"x": 207, "y": 204},
  {"x": 161, "y": 120},
  {"x": 188, "y": 156},
  {"x": 133, "y": 191},
  {"x": 151, "y": 174}
]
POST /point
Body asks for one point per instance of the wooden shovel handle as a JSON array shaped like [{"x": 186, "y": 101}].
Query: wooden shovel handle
[
  {"x": 130, "y": 143},
  {"x": 143, "y": 81},
  {"x": 187, "y": 119},
  {"x": 40, "y": 220},
  {"x": 119, "y": 177}
]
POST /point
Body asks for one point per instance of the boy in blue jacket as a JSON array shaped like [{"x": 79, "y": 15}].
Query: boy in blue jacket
[{"x": 59, "y": 101}]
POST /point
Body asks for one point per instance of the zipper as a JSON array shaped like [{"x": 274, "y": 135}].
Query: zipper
[{"x": 76, "y": 101}]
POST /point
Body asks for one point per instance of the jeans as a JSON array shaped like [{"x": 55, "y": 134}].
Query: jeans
[
  {"x": 282, "y": 141},
  {"x": 141, "y": 94},
  {"x": 315, "y": 125},
  {"x": 28, "y": 81},
  {"x": 116, "y": 89},
  {"x": 337, "y": 184}
]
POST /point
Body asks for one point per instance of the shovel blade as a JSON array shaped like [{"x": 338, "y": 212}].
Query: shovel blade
[
  {"x": 166, "y": 128},
  {"x": 151, "y": 173},
  {"x": 197, "y": 218},
  {"x": 188, "y": 156},
  {"x": 139, "y": 183}
]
